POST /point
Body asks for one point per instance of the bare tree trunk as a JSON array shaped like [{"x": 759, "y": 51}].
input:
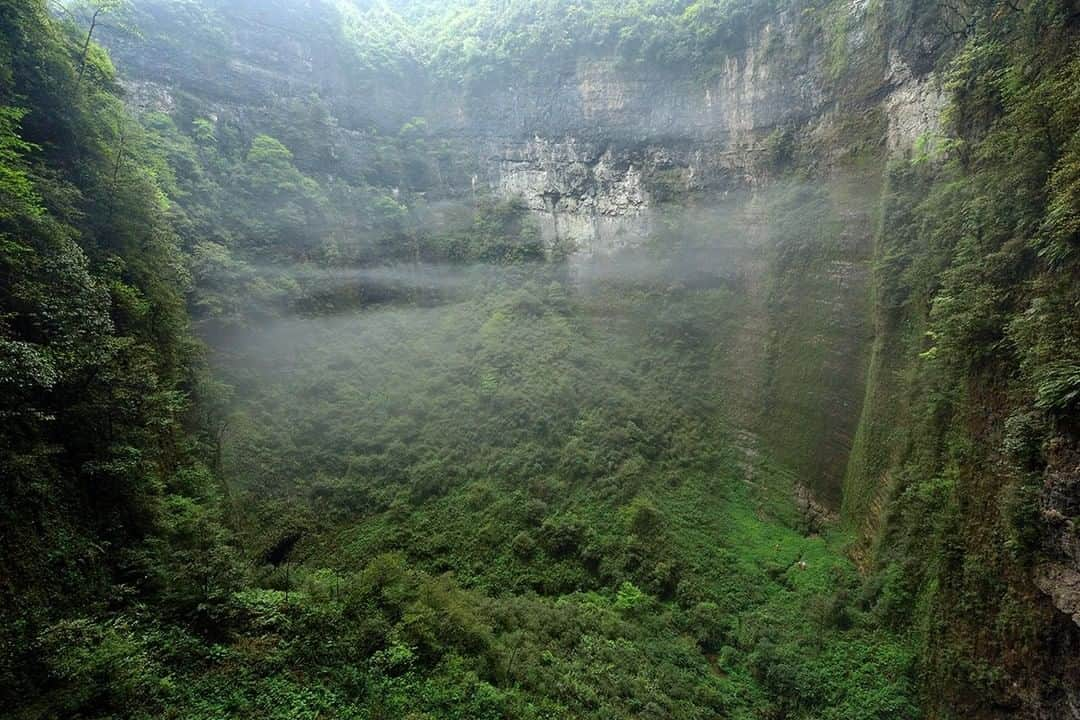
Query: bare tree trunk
[
  {"x": 86, "y": 46},
  {"x": 116, "y": 170}
]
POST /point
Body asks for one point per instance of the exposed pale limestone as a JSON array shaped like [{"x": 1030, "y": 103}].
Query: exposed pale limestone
[
  {"x": 1062, "y": 584},
  {"x": 914, "y": 109},
  {"x": 601, "y": 91},
  {"x": 147, "y": 95}
]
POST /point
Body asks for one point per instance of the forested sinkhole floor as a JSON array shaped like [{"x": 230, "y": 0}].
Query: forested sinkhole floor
[{"x": 526, "y": 498}]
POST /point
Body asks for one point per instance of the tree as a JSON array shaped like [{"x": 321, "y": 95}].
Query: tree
[{"x": 95, "y": 9}]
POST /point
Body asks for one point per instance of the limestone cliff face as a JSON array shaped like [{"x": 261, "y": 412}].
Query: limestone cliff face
[
  {"x": 595, "y": 145},
  {"x": 600, "y": 149}
]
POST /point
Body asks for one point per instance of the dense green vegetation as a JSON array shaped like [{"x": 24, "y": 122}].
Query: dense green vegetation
[
  {"x": 977, "y": 368},
  {"x": 534, "y": 514},
  {"x": 428, "y": 466},
  {"x": 97, "y": 370},
  {"x": 485, "y": 37}
]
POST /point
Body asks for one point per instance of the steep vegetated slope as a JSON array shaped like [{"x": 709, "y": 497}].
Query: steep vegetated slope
[
  {"x": 643, "y": 359},
  {"x": 104, "y": 495},
  {"x": 964, "y": 472}
]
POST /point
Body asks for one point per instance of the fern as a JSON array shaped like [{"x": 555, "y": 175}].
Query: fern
[{"x": 1058, "y": 386}]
